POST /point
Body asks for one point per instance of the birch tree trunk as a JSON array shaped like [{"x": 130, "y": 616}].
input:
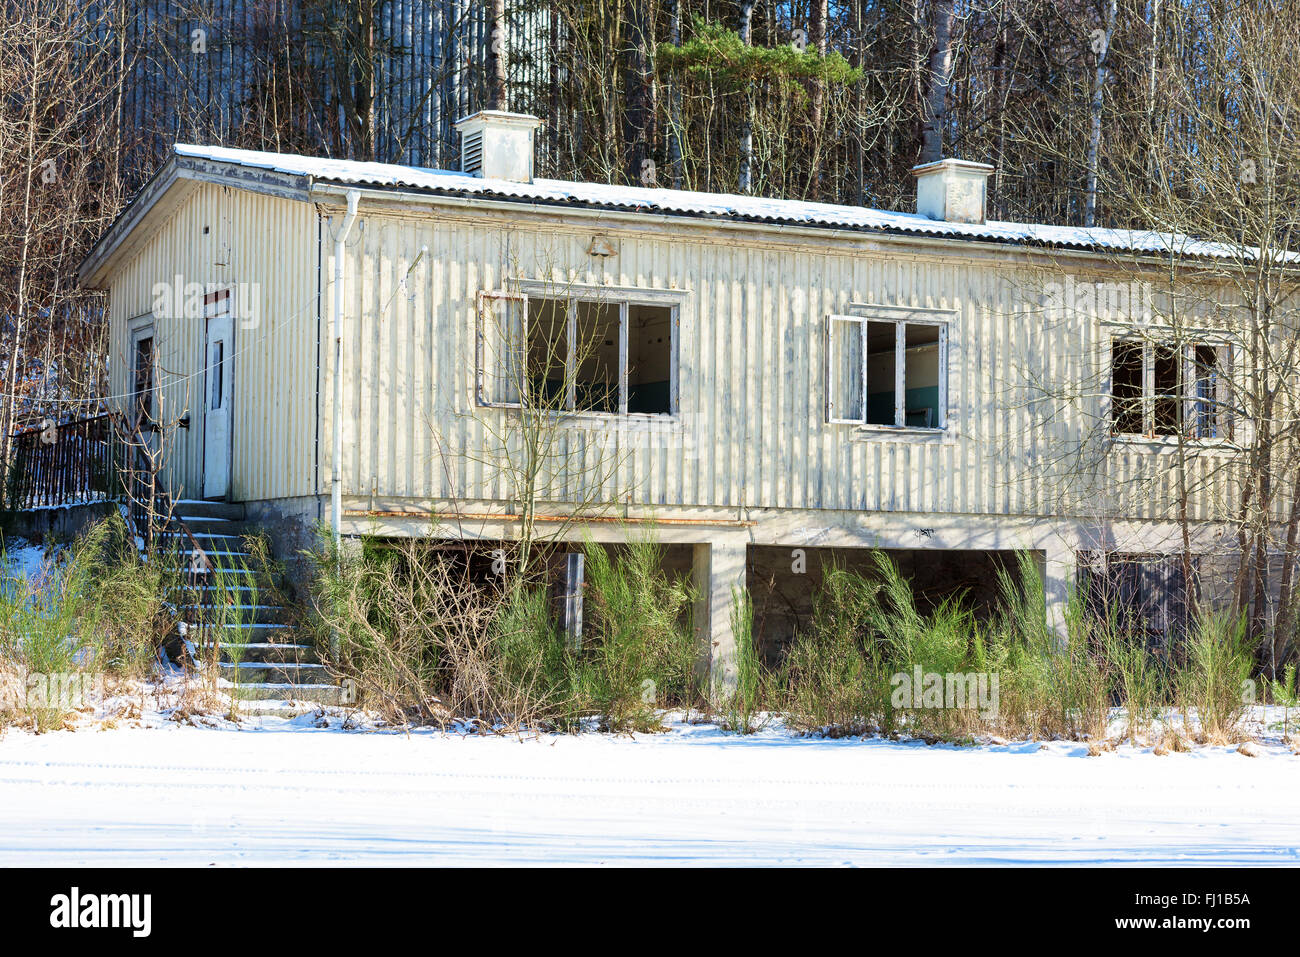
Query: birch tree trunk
[
  {"x": 937, "y": 80},
  {"x": 1101, "y": 47},
  {"x": 746, "y": 178}
]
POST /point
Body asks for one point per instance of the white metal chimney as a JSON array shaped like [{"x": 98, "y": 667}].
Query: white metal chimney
[
  {"x": 952, "y": 190},
  {"x": 498, "y": 145}
]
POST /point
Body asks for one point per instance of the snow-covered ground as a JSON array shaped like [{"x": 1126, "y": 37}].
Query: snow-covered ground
[
  {"x": 287, "y": 792},
  {"x": 23, "y": 558}
]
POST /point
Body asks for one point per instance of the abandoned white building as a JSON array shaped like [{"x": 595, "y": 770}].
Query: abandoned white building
[{"x": 753, "y": 379}]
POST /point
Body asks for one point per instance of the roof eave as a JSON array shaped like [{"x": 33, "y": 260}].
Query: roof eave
[
  {"x": 324, "y": 188},
  {"x": 156, "y": 197},
  {"x": 170, "y": 186}
]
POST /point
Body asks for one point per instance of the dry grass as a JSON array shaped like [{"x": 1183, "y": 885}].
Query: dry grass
[
  {"x": 1171, "y": 741},
  {"x": 1100, "y": 746}
]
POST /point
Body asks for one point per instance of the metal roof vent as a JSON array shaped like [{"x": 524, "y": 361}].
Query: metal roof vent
[
  {"x": 498, "y": 145},
  {"x": 471, "y": 153},
  {"x": 952, "y": 190}
]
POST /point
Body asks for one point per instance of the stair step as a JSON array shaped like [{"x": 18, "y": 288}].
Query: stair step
[
  {"x": 269, "y": 708},
  {"x": 270, "y": 672},
  {"x": 251, "y": 651},
  {"x": 208, "y": 541},
  {"x": 197, "y": 508},
  {"x": 208, "y": 596},
  {"x": 224, "y": 567},
  {"x": 231, "y": 579},
  {"x": 209, "y": 526},
  {"x": 211, "y": 589},
  {"x": 251, "y": 631},
  {"x": 271, "y": 691},
  {"x": 253, "y": 614}
]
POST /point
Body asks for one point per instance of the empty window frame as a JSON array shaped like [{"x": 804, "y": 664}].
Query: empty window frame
[
  {"x": 576, "y": 354},
  {"x": 1161, "y": 388},
  {"x": 1208, "y": 411},
  {"x": 887, "y": 372},
  {"x": 143, "y": 385}
]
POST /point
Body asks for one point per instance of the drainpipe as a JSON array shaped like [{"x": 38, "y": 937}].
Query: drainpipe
[{"x": 336, "y": 467}]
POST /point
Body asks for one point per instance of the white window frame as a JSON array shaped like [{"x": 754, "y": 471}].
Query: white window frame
[
  {"x": 1222, "y": 407},
  {"x": 900, "y": 324},
  {"x": 138, "y": 328},
  {"x": 624, "y": 298},
  {"x": 1186, "y": 346},
  {"x": 484, "y": 309}
]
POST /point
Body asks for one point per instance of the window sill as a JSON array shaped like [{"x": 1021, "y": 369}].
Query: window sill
[
  {"x": 631, "y": 422},
  {"x": 877, "y": 433},
  {"x": 1170, "y": 443}
]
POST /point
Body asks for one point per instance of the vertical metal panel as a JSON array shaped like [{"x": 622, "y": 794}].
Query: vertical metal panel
[
  {"x": 751, "y": 375},
  {"x": 272, "y": 258}
]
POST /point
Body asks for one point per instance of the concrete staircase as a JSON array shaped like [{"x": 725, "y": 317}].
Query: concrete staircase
[{"x": 268, "y": 672}]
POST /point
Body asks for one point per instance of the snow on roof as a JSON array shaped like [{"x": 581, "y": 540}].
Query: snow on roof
[{"x": 728, "y": 206}]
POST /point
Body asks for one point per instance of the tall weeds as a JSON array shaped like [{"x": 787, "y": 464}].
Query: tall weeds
[
  {"x": 94, "y": 608},
  {"x": 640, "y": 655},
  {"x": 833, "y": 674},
  {"x": 1055, "y": 679},
  {"x": 426, "y": 640},
  {"x": 741, "y": 705},
  {"x": 1214, "y": 678}
]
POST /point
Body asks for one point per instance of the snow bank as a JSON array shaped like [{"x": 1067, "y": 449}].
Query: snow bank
[{"x": 289, "y": 792}]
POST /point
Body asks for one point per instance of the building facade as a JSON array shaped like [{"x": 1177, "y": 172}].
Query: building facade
[{"x": 749, "y": 380}]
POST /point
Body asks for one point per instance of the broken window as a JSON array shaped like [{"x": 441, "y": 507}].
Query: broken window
[
  {"x": 595, "y": 357},
  {"x": 649, "y": 359},
  {"x": 887, "y": 372},
  {"x": 921, "y": 375},
  {"x": 1126, "y": 387},
  {"x": 547, "y": 352},
  {"x": 1143, "y": 597},
  {"x": 142, "y": 373},
  {"x": 882, "y": 368},
  {"x": 1166, "y": 389},
  {"x": 1209, "y": 412},
  {"x": 502, "y": 320},
  {"x": 581, "y": 355},
  {"x": 1167, "y": 406}
]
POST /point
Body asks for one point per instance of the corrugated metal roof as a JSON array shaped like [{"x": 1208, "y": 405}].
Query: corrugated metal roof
[{"x": 706, "y": 205}]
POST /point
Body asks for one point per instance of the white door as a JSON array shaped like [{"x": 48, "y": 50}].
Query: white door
[{"x": 218, "y": 389}]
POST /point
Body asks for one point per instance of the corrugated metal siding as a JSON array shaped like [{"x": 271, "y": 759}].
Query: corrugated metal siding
[
  {"x": 752, "y": 377},
  {"x": 269, "y": 244}
]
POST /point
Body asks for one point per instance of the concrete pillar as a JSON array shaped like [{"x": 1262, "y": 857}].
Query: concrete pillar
[
  {"x": 717, "y": 570},
  {"x": 1058, "y": 575}
]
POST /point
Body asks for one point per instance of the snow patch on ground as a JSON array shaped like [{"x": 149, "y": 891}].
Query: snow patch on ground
[
  {"x": 23, "y": 559},
  {"x": 274, "y": 790}
]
